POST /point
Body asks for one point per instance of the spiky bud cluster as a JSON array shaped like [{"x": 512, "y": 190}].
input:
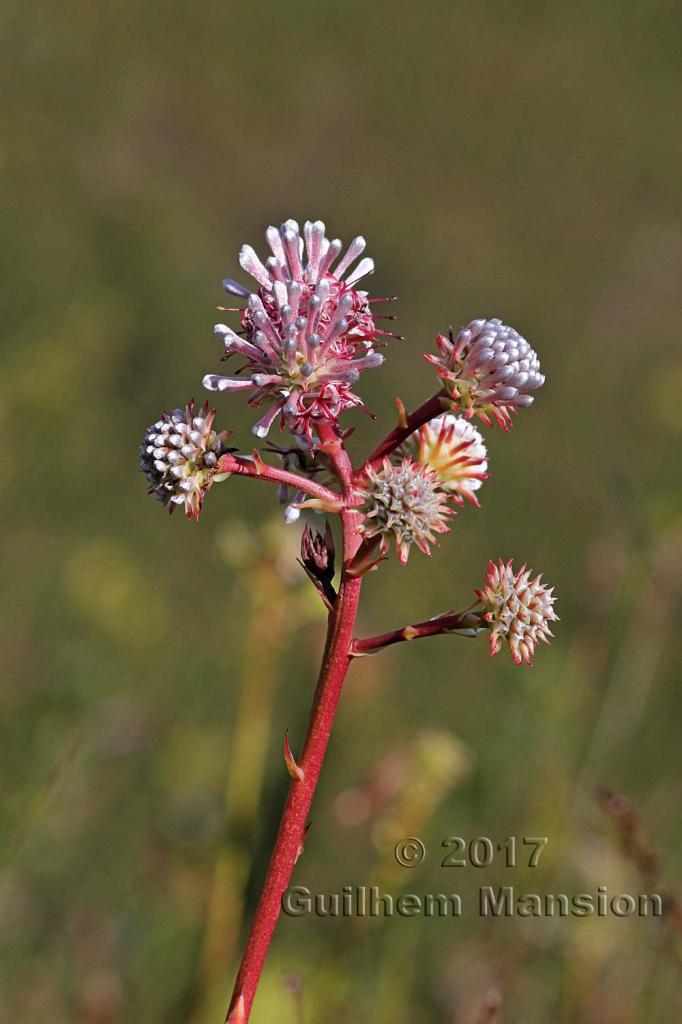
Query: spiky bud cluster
[
  {"x": 488, "y": 370},
  {"x": 317, "y": 558},
  {"x": 307, "y": 332},
  {"x": 518, "y": 610},
  {"x": 403, "y": 503},
  {"x": 453, "y": 448},
  {"x": 179, "y": 456}
]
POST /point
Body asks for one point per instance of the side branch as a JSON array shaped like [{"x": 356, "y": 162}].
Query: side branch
[
  {"x": 255, "y": 467},
  {"x": 467, "y": 623},
  {"x": 427, "y": 411}
]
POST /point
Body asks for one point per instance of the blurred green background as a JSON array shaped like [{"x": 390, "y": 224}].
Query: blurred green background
[{"x": 520, "y": 161}]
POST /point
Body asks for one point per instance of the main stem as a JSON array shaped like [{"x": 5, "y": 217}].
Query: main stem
[{"x": 291, "y": 833}]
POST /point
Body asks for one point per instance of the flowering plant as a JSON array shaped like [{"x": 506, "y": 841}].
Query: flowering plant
[{"x": 306, "y": 333}]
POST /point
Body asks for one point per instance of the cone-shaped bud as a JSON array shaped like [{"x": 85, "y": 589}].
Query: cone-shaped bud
[
  {"x": 179, "y": 456},
  {"x": 518, "y": 610},
  {"x": 317, "y": 558}
]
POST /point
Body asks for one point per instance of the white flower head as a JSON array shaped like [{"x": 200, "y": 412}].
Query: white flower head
[
  {"x": 454, "y": 449},
  {"x": 179, "y": 456},
  {"x": 488, "y": 370}
]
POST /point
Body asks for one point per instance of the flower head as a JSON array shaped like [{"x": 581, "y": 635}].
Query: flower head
[
  {"x": 488, "y": 369},
  {"x": 453, "y": 448},
  {"x": 307, "y": 331},
  {"x": 518, "y": 610},
  {"x": 179, "y": 456},
  {"x": 404, "y": 503}
]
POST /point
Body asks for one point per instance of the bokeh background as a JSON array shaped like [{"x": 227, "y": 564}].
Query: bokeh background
[{"x": 512, "y": 160}]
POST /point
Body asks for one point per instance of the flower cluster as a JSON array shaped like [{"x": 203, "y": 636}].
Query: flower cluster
[
  {"x": 407, "y": 498},
  {"x": 518, "y": 610},
  {"x": 488, "y": 370},
  {"x": 307, "y": 332},
  {"x": 404, "y": 503},
  {"x": 179, "y": 456}
]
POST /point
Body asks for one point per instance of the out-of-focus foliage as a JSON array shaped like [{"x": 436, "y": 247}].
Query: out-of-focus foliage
[{"x": 520, "y": 161}]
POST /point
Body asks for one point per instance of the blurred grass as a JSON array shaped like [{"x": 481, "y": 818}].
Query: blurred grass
[{"x": 516, "y": 161}]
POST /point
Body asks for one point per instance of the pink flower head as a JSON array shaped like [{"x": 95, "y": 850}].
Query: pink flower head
[
  {"x": 488, "y": 369},
  {"x": 307, "y": 331},
  {"x": 518, "y": 610}
]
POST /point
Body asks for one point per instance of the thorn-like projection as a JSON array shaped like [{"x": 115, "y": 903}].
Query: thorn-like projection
[
  {"x": 361, "y": 570},
  {"x": 354, "y": 651},
  {"x": 354, "y": 571},
  {"x": 366, "y": 558},
  {"x": 237, "y": 1014},
  {"x": 258, "y": 461},
  {"x": 322, "y": 504},
  {"x": 295, "y": 770},
  {"x": 402, "y": 414},
  {"x": 301, "y": 845}
]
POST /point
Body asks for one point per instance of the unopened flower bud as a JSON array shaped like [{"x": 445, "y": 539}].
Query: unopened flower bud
[
  {"x": 317, "y": 558},
  {"x": 488, "y": 370},
  {"x": 180, "y": 455},
  {"x": 518, "y": 610}
]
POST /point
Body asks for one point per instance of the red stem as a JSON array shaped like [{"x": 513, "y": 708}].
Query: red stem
[
  {"x": 255, "y": 467},
  {"x": 451, "y": 622},
  {"x": 427, "y": 411},
  {"x": 291, "y": 833}
]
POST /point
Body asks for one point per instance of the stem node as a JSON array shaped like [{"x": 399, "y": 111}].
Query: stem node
[{"x": 237, "y": 1014}]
